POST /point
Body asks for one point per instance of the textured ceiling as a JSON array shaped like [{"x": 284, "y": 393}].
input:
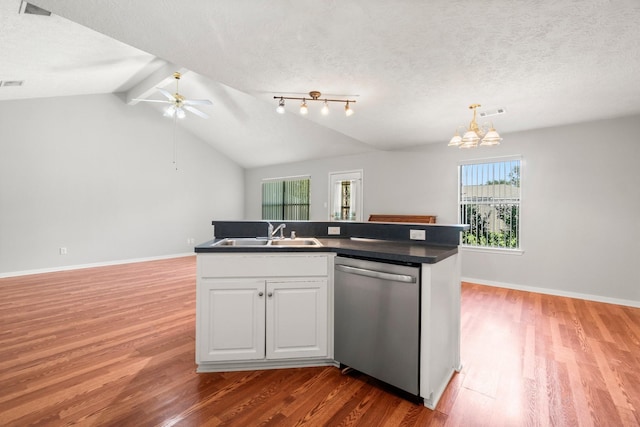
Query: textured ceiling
[{"x": 414, "y": 66}]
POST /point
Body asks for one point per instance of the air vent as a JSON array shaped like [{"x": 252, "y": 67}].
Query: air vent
[
  {"x": 9, "y": 83},
  {"x": 32, "y": 9},
  {"x": 489, "y": 113}
]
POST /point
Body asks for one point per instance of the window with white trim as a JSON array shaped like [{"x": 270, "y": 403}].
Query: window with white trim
[
  {"x": 286, "y": 198},
  {"x": 489, "y": 201}
]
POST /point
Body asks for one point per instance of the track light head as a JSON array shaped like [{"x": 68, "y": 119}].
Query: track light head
[
  {"x": 325, "y": 108},
  {"x": 347, "y": 110}
]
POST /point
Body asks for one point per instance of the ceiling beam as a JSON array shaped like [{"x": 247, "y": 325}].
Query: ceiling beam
[{"x": 147, "y": 87}]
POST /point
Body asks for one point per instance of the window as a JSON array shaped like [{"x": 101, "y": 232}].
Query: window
[
  {"x": 489, "y": 201},
  {"x": 286, "y": 199}
]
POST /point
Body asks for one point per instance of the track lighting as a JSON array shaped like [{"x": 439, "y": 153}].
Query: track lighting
[
  {"x": 473, "y": 133},
  {"x": 314, "y": 96}
]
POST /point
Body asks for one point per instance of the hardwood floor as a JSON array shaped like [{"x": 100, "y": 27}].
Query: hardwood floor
[{"x": 114, "y": 346}]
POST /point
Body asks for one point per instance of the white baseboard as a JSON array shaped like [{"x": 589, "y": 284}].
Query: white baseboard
[
  {"x": 96, "y": 264},
  {"x": 556, "y": 292}
]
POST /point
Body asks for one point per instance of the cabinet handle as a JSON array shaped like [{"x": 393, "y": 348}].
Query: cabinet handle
[
  {"x": 260, "y": 293},
  {"x": 270, "y": 294}
]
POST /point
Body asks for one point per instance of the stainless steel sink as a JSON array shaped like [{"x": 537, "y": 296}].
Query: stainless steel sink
[
  {"x": 250, "y": 241},
  {"x": 256, "y": 241},
  {"x": 296, "y": 242}
]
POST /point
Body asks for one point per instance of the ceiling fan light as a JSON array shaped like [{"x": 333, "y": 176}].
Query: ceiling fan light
[
  {"x": 303, "y": 107},
  {"x": 280, "y": 109},
  {"x": 170, "y": 111},
  {"x": 180, "y": 113},
  {"x": 347, "y": 110},
  {"x": 325, "y": 109}
]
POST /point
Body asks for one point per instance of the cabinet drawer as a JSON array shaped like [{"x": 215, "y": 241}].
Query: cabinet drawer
[{"x": 262, "y": 265}]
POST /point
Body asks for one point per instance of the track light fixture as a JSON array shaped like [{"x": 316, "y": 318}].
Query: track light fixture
[
  {"x": 314, "y": 96},
  {"x": 473, "y": 133}
]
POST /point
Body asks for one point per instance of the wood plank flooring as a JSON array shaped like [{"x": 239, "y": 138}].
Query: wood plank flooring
[{"x": 114, "y": 346}]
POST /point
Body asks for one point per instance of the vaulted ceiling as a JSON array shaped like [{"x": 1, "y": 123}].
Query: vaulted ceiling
[{"x": 413, "y": 67}]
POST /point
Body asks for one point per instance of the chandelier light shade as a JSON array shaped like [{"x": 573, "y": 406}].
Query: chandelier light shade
[
  {"x": 475, "y": 135},
  {"x": 314, "y": 95}
]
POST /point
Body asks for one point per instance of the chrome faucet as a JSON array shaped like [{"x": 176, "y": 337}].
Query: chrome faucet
[{"x": 272, "y": 232}]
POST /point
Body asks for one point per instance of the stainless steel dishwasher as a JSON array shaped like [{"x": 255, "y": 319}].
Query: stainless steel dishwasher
[{"x": 377, "y": 320}]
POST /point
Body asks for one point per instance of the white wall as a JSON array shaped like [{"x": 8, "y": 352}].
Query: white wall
[
  {"x": 95, "y": 175},
  {"x": 580, "y": 214}
]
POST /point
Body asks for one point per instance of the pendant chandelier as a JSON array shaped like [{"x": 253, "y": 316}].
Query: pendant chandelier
[
  {"x": 473, "y": 134},
  {"x": 314, "y": 95}
]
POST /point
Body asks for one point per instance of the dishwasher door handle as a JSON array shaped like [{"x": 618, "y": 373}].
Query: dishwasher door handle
[{"x": 377, "y": 274}]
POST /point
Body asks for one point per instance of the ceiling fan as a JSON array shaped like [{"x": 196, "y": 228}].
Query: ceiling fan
[{"x": 178, "y": 102}]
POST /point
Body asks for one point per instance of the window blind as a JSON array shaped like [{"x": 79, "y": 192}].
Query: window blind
[{"x": 286, "y": 199}]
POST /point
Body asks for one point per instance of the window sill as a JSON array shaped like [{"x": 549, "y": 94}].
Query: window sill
[{"x": 500, "y": 251}]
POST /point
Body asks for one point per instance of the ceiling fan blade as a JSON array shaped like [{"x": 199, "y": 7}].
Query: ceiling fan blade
[
  {"x": 162, "y": 101},
  {"x": 197, "y": 102},
  {"x": 196, "y": 112},
  {"x": 166, "y": 93}
]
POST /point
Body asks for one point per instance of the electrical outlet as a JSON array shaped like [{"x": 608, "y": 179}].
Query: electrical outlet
[
  {"x": 333, "y": 231},
  {"x": 417, "y": 234},
  {"x": 63, "y": 251},
  {"x": 191, "y": 241}
]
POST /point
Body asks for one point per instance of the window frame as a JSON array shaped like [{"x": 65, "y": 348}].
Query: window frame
[{"x": 487, "y": 160}]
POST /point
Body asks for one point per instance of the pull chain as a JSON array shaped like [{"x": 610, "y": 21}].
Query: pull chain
[{"x": 175, "y": 150}]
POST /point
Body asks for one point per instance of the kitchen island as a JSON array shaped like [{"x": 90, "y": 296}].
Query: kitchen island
[{"x": 273, "y": 307}]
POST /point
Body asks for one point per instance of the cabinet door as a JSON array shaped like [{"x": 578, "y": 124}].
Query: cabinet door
[
  {"x": 231, "y": 320},
  {"x": 297, "y": 318}
]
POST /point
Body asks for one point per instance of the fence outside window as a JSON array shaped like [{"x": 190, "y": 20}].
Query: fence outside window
[{"x": 489, "y": 200}]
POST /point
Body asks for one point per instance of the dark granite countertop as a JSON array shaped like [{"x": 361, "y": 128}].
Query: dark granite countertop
[{"x": 383, "y": 250}]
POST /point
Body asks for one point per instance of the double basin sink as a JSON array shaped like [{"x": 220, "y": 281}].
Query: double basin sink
[{"x": 257, "y": 241}]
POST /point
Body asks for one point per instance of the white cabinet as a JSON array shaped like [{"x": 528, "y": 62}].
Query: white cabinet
[
  {"x": 231, "y": 320},
  {"x": 263, "y": 310},
  {"x": 296, "y": 319}
]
